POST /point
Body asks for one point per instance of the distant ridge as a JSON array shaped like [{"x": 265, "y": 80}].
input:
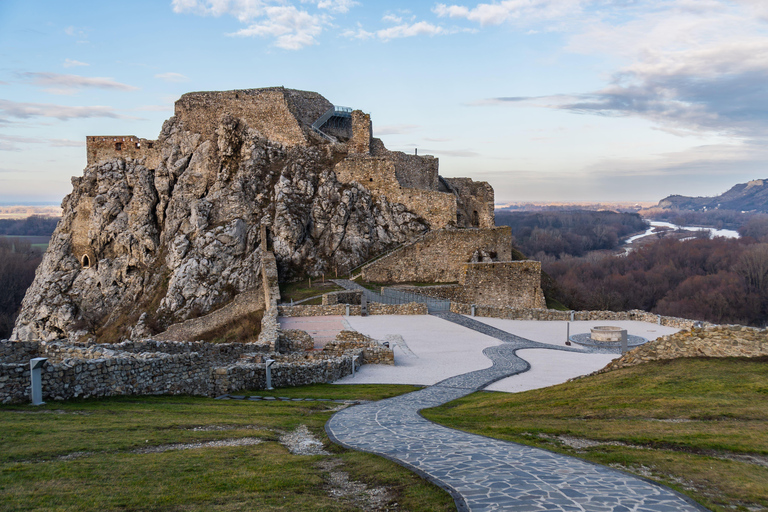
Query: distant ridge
[{"x": 746, "y": 197}]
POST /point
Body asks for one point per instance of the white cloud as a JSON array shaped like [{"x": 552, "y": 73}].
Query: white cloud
[
  {"x": 340, "y": 6},
  {"x": 68, "y": 84},
  {"x": 421, "y": 28},
  {"x": 11, "y": 142},
  {"x": 172, "y": 77},
  {"x": 69, "y": 63},
  {"x": 498, "y": 13},
  {"x": 292, "y": 29},
  {"x": 62, "y": 112},
  {"x": 392, "y": 18},
  {"x": 243, "y": 10}
]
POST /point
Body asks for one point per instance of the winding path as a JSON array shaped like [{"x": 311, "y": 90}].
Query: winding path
[{"x": 486, "y": 474}]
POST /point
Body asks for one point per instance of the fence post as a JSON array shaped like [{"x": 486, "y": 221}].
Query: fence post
[
  {"x": 567, "y": 332},
  {"x": 354, "y": 358},
  {"x": 473, "y": 309},
  {"x": 36, "y": 380},
  {"x": 268, "y": 365},
  {"x": 572, "y": 315},
  {"x": 347, "y": 309},
  {"x": 623, "y": 341}
]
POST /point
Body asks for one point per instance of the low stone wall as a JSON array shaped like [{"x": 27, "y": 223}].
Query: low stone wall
[
  {"x": 555, "y": 315},
  {"x": 294, "y": 340},
  {"x": 374, "y": 308},
  {"x": 722, "y": 341},
  {"x": 270, "y": 327},
  {"x": 18, "y": 351},
  {"x": 451, "y": 292},
  {"x": 238, "y": 377},
  {"x": 342, "y": 297},
  {"x": 372, "y": 351},
  {"x": 514, "y": 284}
]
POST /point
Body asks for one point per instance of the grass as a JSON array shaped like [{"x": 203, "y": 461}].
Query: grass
[
  {"x": 307, "y": 288},
  {"x": 683, "y": 422},
  {"x": 243, "y": 330},
  {"x": 109, "y": 475}
]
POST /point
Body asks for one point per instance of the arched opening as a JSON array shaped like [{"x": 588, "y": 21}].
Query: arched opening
[
  {"x": 86, "y": 261},
  {"x": 475, "y": 219}
]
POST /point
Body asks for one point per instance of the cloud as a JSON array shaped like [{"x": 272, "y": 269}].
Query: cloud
[
  {"x": 69, "y": 63},
  {"x": 501, "y": 12},
  {"x": 68, "y": 84},
  {"x": 291, "y": 28},
  {"x": 421, "y": 28},
  {"x": 11, "y": 142},
  {"x": 172, "y": 77},
  {"x": 340, "y": 6},
  {"x": 463, "y": 153},
  {"x": 395, "y": 129},
  {"x": 61, "y": 112}
]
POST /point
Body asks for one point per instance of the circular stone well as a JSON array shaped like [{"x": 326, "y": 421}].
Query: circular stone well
[
  {"x": 606, "y": 333},
  {"x": 606, "y": 337}
]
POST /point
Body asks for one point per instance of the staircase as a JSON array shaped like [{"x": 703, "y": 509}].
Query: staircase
[{"x": 333, "y": 112}]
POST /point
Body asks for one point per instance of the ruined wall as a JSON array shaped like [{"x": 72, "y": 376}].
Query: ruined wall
[
  {"x": 378, "y": 174},
  {"x": 439, "y": 256},
  {"x": 106, "y": 147},
  {"x": 516, "y": 284},
  {"x": 475, "y": 202},
  {"x": 362, "y": 132},
  {"x": 271, "y": 111}
]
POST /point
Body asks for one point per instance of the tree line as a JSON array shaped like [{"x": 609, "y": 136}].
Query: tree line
[
  {"x": 556, "y": 234},
  {"x": 18, "y": 261},
  {"x": 719, "y": 280},
  {"x": 35, "y": 225}
]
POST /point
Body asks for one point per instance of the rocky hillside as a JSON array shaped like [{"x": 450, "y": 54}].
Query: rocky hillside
[
  {"x": 747, "y": 197},
  {"x": 178, "y": 234}
]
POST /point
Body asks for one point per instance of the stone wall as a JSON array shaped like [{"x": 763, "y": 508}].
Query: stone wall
[
  {"x": 18, "y": 352},
  {"x": 374, "y": 308},
  {"x": 362, "y": 132},
  {"x": 515, "y": 284},
  {"x": 371, "y": 351},
  {"x": 439, "y": 256},
  {"x": 562, "y": 316},
  {"x": 475, "y": 202},
  {"x": 379, "y": 175},
  {"x": 294, "y": 340},
  {"x": 270, "y": 328},
  {"x": 342, "y": 297},
  {"x": 107, "y": 147},
  {"x": 721, "y": 341},
  {"x": 244, "y": 303},
  {"x": 277, "y": 113}
]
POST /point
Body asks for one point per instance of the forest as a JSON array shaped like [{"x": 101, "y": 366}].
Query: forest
[
  {"x": 719, "y": 280},
  {"x": 18, "y": 261},
  {"x": 35, "y": 225},
  {"x": 544, "y": 235}
]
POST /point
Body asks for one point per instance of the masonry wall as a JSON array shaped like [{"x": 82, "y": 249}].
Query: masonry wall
[
  {"x": 515, "y": 284},
  {"x": 362, "y": 132},
  {"x": 439, "y": 256},
  {"x": 266, "y": 110},
  {"x": 475, "y": 202},
  {"x": 105, "y": 147},
  {"x": 378, "y": 174}
]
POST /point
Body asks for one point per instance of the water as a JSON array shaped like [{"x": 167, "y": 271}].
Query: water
[{"x": 725, "y": 233}]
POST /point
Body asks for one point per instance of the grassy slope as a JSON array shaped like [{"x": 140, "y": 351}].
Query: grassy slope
[
  {"x": 685, "y": 415},
  {"x": 33, "y": 476}
]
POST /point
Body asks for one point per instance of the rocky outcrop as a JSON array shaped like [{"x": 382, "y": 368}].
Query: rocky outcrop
[
  {"x": 176, "y": 233},
  {"x": 723, "y": 341}
]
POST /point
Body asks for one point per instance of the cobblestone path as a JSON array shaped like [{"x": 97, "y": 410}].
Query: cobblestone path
[{"x": 485, "y": 474}]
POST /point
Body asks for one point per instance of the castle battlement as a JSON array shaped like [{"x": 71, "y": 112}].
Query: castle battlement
[{"x": 104, "y": 147}]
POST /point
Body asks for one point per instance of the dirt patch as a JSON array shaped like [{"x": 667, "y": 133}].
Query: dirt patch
[
  {"x": 302, "y": 442},
  {"x": 340, "y": 487}
]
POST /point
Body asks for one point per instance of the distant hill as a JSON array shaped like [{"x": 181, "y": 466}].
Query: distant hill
[{"x": 746, "y": 197}]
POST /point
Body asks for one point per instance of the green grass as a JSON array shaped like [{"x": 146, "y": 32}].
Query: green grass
[
  {"x": 682, "y": 418},
  {"x": 302, "y": 290},
  {"x": 110, "y": 476}
]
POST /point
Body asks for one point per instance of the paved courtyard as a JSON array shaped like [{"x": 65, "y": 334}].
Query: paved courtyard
[{"x": 483, "y": 474}]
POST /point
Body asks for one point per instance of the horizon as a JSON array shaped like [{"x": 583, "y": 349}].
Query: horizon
[{"x": 555, "y": 101}]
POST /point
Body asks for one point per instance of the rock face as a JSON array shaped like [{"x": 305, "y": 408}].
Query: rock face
[
  {"x": 174, "y": 229},
  {"x": 751, "y": 196}
]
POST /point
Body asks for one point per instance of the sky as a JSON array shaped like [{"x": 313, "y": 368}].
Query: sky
[{"x": 548, "y": 100}]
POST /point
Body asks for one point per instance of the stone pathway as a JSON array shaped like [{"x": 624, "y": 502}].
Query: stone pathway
[{"x": 485, "y": 474}]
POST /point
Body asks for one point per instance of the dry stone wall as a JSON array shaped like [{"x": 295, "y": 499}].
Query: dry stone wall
[
  {"x": 439, "y": 256},
  {"x": 342, "y": 297},
  {"x": 371, "y": 351},
  {"x": 374, "y": 308}
]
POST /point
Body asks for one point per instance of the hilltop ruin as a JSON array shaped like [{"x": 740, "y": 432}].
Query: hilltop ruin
[{"x": 159, "y": 231}]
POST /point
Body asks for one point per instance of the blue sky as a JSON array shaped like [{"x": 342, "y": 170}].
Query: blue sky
[{"x": 561, "y": 100}]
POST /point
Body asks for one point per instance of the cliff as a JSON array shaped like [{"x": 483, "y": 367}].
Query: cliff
[{"x": 171, "y": 226}]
